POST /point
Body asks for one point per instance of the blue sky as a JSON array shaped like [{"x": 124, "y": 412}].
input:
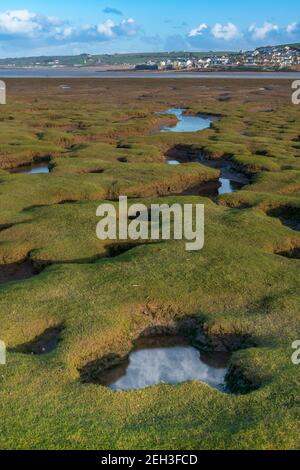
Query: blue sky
[{"x": 31, "y": 27}]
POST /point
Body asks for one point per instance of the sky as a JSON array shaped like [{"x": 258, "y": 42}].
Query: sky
[{"x": 32, "y": 28}]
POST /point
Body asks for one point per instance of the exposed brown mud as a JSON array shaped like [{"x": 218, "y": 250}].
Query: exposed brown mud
[{"x": 18, "y": 271}]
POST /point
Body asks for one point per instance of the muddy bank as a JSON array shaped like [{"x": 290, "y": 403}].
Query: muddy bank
[
  {"x": 293, "y": 253},
  {"x": 5, "y": 227},
  {"x": 207, "y": 189},
  {"x": 289, "y": 216},
  {"x": 19, "y": 271},
  {"x": 99, "y": 171},
  {"x": 115, "y": 250},
  {"x": 43, "y": 344}
]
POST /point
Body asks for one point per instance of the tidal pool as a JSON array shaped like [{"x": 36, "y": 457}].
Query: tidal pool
[
  {"x": 228, "y": 186},
  {"x": 229, "y": 182},
  {"x": 34, "y": 169},
  {"x": 187, "y": 123},
  {"x": 166, "y": 360},
  {"x": 293, "y": 224}
]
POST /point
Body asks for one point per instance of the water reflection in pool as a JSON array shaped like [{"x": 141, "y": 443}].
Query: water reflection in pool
[
  {"x": 187, "y": 123},
  {"x": 230, "y": 181},
  {"x": 34, "y": 169},
  {"x": 169, "y": 360},
  {"x": 228, "y": 186}
]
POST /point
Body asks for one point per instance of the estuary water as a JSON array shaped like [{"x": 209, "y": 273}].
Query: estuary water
[{"x": 93, "y": 72}]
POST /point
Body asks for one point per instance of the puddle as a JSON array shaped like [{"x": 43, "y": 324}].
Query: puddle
[
  {"x": 187, "y": 123},
  {"x": 166, "y": 360},
  {"x": 293, "y": 224},
  {"x": 34, "y": 169},
  {"x": 289, "y": 216},
  {"x": 229, "y": 182},
  {"x": 42, "y": 344},
  {"x": 228, "y": 186},
  {"x": 17, "y": 271}
]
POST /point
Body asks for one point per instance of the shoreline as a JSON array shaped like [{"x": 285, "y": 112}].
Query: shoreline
[
  {"x": 96, "y": 72},
  {"x": 126, "y": 69}
]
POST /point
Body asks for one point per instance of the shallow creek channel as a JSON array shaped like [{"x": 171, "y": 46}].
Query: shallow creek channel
[{"x": 229, "y": 181}]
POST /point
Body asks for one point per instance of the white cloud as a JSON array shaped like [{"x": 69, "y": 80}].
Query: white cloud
[
  {"x": 64, "y": 32},
  {"x": 25, "y": 24},
  {"x": 293, "y": 28},
  {"x": 24, "y": 30},
  {"x": 198, "y": 31},
  {"x": 226, "y": 32},
  {"x": 262, "y": 32},
  {"x": 106, "y": 28},
  {"x": 207, "y": 36},
  {"x": 110, "y": 29},
  {"x": 126, "y": 28}
]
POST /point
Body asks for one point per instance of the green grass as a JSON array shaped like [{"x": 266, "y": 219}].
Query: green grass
[
  {"x": 232, "y": 286},
  {"x": 238, "y": 285}
]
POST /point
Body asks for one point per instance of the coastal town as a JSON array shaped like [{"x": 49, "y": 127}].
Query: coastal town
[
  {"x": 269, "y": 58},
  {"x": 265, "y": 58}
]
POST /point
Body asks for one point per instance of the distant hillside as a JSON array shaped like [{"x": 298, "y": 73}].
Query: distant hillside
[
  {"x": 295, "y": 45},
  {"x": 117, "y": 60},
  {"x": 105, "y": 59}
]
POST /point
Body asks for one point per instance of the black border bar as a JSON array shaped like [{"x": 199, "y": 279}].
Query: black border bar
[{"x": 135, "y": 459}]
